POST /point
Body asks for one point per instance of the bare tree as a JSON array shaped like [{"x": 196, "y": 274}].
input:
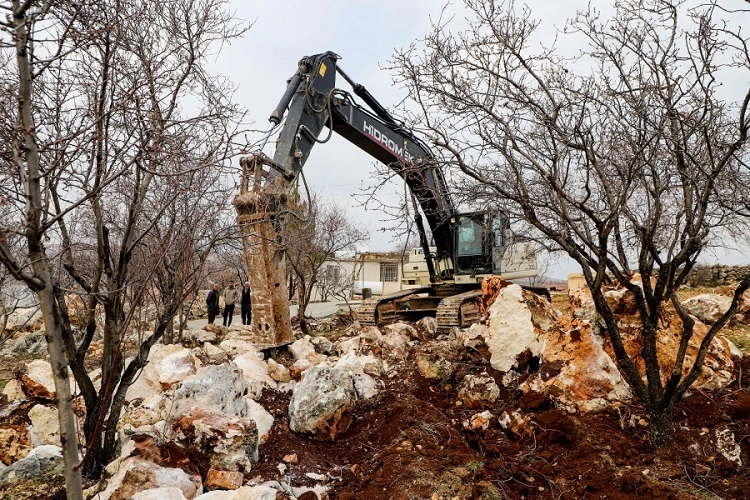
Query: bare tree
[
  {"x": 119, "y": 141},
  {"x": 312, "y": 238},
  {"x": 616, "y": 154}
]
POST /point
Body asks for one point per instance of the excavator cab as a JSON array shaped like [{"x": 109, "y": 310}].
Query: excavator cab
[{"x": 480, "y": 243}]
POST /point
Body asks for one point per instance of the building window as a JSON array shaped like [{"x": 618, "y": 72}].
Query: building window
[
  {"x": 388, "y": 271},
  {"x": 332, "y": 273}
]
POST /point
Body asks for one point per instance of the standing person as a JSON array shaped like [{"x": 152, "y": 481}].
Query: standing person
[
  {"x": 231, "y": 296},
  {"x": 245, "y": 303},
  {"x": 212, "y": 303}
]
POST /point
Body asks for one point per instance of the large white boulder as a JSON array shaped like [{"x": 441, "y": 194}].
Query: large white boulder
[
  {"x": 255, "y": 372},
  {"x": 322, "y": 403},
  {"x": 37, "y": 380},
  {"x": 708, "y": 307},
  {"x": 146, "y": 385},
  {"x": 576, "y": 370},
  {"x": 135, "y": 474},
  {"x": 176, "y": 367},
  {"x": 302, "y": 349},
  {"x": 509, "y": 331},
  {"x": 263, "y": 419},
  {"x": 217, "y": 388},
  {"x": 45, "y": 425},
  {"x": 230, "y": 442},
  {"x": 41, "y": 460}
]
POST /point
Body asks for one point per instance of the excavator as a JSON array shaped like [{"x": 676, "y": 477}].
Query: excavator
[{"x": 442, "y": 278}]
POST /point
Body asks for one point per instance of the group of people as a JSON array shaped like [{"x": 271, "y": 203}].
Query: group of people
[{"x": 231, "y": 296}]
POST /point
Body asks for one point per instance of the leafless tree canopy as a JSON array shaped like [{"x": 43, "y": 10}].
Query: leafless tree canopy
[
  {"x": 317, "y": 232},
  {"x": 617, "y": 153},
  {"x": 113, "y": 139}
]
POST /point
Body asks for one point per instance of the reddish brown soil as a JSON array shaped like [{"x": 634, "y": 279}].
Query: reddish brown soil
[{"x": 410, "y": 444}]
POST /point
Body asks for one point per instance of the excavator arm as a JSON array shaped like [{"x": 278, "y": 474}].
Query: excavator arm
[
  {"x": 467, "y": 246},
  {"x": 312, "y": 102}
]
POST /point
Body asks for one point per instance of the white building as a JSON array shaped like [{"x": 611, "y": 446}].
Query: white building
[{"x": 381, "y": 272}]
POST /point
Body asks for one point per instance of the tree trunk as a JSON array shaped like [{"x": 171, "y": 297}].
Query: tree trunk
[
  {"x": 661, "y": 429},
  {"x": 63, "y": 396}
]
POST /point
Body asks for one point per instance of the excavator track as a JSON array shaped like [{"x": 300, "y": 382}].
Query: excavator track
[
  {"x": 384, "y": 309},
  {"x": 459, "y": 310}
]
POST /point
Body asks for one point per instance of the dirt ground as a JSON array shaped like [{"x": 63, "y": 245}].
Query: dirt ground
[{"x": 410, "y": 443}]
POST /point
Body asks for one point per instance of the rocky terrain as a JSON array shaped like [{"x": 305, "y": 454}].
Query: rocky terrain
[{"x": 527, "y": 404}]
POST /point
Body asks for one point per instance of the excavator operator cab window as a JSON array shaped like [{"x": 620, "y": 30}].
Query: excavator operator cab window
[
  {"x": 473, "y": 237},
  {"x": 469, "y": 236}
]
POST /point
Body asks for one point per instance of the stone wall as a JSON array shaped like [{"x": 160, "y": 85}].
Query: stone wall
[{"x": 716, "y": 275}]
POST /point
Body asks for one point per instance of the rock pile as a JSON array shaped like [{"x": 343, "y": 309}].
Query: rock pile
[{"x": 202, "y": 397}]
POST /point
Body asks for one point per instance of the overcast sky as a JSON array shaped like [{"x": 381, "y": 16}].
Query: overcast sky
[{"x": 365, "y": 34}]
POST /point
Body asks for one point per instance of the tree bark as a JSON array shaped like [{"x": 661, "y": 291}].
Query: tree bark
[
  {"x": 42, "y": 280},
  {"x": 661, "y": 429}
]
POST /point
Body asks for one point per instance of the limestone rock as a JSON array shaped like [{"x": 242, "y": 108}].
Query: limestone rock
[
  {"x": 217, "y": 388},
  {"x": 322, "y": 345},
  {"x": 146, "y": 385},
  {"x": 13, "y": 390},
  {"x": 576, "y": 370},
  {"x": 210, "y": 354},
  {"x": 255, "y": 372},
  {"x": 25, "y": 318},
  {"x": 244, "y": 493},
  {"x": 407, "y": 331},
  {"x": 144, "y": 412},
  {"x": 434, "y": 367},
  {"x": 192, "y": 338},
  {"x": 718, "y": 366},
  {"x": 322, "y": 403},
  {"x": 708, "y": 307},
  {"x": 278, "y": 372},
  {"x": 15, "y": 443},
  {"x": 302, "y": 349},
  {"x": 365, "y": 386},
  {"x": 135, "y": 474},
  {"x": 345, "y": 345},
  {"x": 40, "y": 460},
  {"x": 165, "y": 493},
  {"x": 223, "y": 479},
  {"x": 299, "y": 367},
  {"x": 235, "y": 346},
  {"x": 396, "y": 346},
  {"x": 176, "y": 367},
  {"x": 230, "y": 442},
  {"x": 263, "y": 419},
  {"x": 479, "y": 421},
  {"x": 46, "y": 425},
  {"x": 371, "y": 334},
  {"x": 37, "y": 380},
  {"x": 428, "y": 325},
  {"x": 215, "y": 329},
  {"x": 726, "y": 445},
  {"x": 477, "y": 391},
  {"x": 510, "y": 330},
  {"x": 516, "y": 423}
]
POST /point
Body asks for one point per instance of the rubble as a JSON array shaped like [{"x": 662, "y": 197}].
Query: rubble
[{"x": 229, "y": 405}]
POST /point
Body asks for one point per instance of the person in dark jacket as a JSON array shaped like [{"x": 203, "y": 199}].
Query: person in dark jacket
[
  {"x": 212, "y": 303},
  {"x": 245, "y": 303}
]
